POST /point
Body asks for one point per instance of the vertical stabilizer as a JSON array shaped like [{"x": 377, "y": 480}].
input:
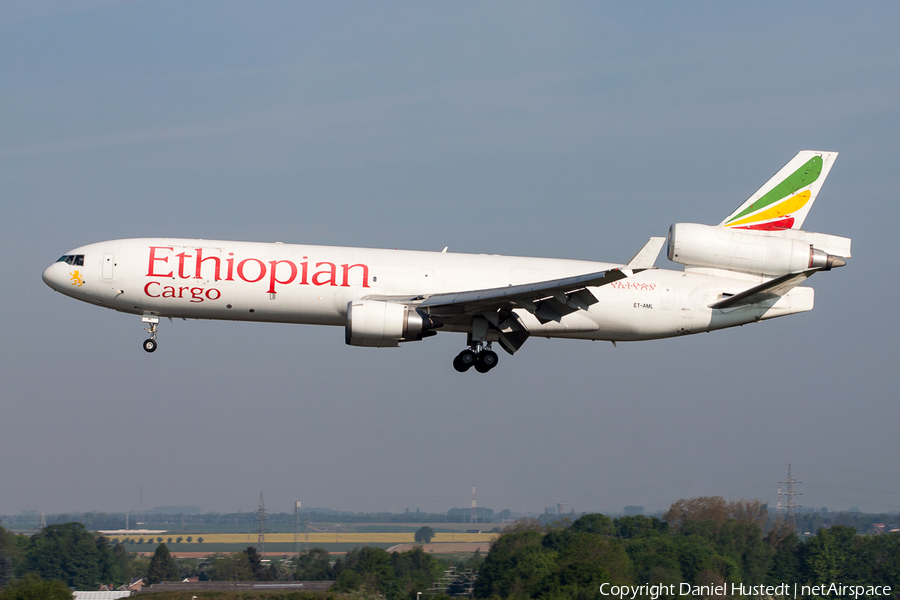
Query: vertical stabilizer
[{"x": 784, "y": 201}]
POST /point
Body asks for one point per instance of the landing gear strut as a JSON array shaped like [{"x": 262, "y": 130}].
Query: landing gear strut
[
  {"x": 152, "y": 322},
  {"x": 479, "y": 356}
]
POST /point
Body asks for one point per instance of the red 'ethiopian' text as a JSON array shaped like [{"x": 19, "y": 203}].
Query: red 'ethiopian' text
[{"x": 192, "y": 264}]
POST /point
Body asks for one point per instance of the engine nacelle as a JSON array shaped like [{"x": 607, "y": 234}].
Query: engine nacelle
[
  {"x": 382, "y": 324},
  {"x": 748, "y": 251}
]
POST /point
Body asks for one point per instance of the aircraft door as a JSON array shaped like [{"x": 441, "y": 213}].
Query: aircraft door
[
  {"x": 108, "y": 262},
  {"x": 667, "y": 296}
]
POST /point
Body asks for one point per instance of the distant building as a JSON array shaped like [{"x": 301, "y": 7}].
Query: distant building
[
  {"x": 110, "y": 532},
  {"x": 106, "y": 595},
  {"x": 241, "y": 586}
]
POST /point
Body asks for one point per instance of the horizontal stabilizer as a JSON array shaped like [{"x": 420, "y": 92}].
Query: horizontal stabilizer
[{"x": 769, "y": 290}]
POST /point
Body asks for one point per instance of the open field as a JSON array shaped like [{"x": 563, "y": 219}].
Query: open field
[
  {"x": 447, "y": 548},
  {"x": 183, "y": 550}
]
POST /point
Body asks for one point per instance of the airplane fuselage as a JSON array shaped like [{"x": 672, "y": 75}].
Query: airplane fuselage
[{"x": 304, "y": 284}]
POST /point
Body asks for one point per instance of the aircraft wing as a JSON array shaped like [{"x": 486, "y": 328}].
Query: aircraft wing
[
  {"x": 768, "y": 290},
  {"x": 548, "y": 300},
  {"x": 567, "y": 290},
  {"x": 570, "y": 292}
]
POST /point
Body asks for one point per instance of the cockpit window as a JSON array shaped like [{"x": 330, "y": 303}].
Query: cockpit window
[{"x": 76, "y": 260}]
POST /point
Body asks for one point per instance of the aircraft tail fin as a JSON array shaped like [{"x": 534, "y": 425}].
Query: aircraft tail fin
[{"x": 785, "y": 200}]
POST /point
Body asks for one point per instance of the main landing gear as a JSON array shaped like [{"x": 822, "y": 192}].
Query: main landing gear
[
  {"x": 481, "y": 357},
  {"x": 152, "y": 322}
]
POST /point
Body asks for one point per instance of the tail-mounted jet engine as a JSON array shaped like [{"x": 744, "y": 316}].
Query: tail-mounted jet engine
[
  {"x": 770, "y": 253},
  {"x": 379, "y": 324}
]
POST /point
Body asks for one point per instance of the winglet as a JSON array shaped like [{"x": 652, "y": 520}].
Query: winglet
[{"x": 646, "y": 256}]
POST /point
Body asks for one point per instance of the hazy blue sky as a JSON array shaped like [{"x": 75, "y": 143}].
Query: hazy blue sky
[{"x": 529, "y": 128}]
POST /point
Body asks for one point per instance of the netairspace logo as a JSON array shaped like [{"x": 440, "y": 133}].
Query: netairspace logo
[{"x": 785, "y": 590}]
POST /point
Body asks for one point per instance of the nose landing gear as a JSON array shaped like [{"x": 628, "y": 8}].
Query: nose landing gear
[
  {"x": 481, "y": 357},
  {"x": 152, "y": 322}
]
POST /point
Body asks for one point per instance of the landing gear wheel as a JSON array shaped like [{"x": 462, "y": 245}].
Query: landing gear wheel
[
  {"x": 485, "y": 361},
  {"x": 152, "y": 322},
  {"x": 464, "y": 361},
  {"x": 488, "y": 358}
]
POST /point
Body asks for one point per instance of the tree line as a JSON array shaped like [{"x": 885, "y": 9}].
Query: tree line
[{"x": 701, "y": 541}]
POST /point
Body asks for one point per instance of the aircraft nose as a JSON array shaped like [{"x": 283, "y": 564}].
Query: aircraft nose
[{"x": 51, "y": 276}]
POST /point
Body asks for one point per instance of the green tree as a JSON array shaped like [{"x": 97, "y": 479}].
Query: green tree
[
  {"x": 32, "y": 587},
  {"x": 880, "y": 554},
  {"x": 785, "y": 565},
  {"x": 109, "y": 568},
  {"x": 424, "y": 535},
  {"x": 639, "y": 525},
  {"x": 368, "y": 570},
  {"x": 740, "y": 541},
  {"x": 655, "y": 559},
  {"x": 415, "y": 570},
  {"x": 124, "y": 562},
  {"x": 314, "y": 565},
  {"x": 373, "y": 571},
  {"x": 259, "y": 570},
  {"x": 163, "y": 566},
  {"x": 516, "y": 562},
  {"x": 6, "y": 567},
  {"x": 70, "y": 553},
  {"x": 586, "y": 562},
  {"x": 829, "y": 555},
  {"x": 234, "y": 567},
  {"x": 594, "y": 523},
  {"x": 7, "y": 547}
]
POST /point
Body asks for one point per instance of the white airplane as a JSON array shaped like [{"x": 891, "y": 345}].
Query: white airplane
[{"x": 746, "y": 269}]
